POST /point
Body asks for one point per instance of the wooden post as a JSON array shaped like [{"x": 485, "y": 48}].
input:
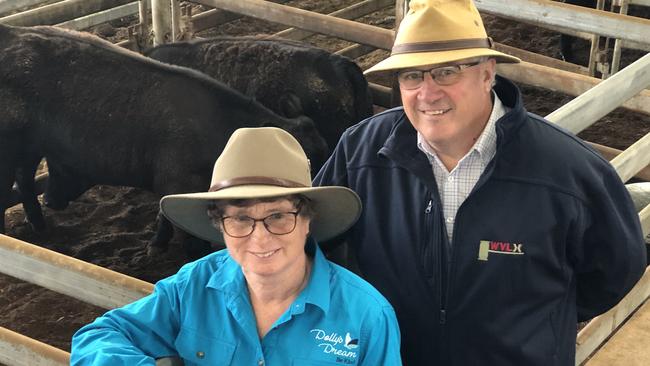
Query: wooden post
[
  {"x": 401, "y": 8},
  {"x": 595, "y": 43},
  {"x": 60, "y": 12},
  {"x": 176, "y": 20},
  {"x": 144, "y": 31},
  {"x": 616, "y": 57},
  {"x": 161, "y": 20},
  {"x": 595, "y": 103}
]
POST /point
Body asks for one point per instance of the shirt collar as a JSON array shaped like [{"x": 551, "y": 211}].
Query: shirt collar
[
  {"x": 485, "y": 145},
  {"x": 317, "y": 291},
  {"x": 230, "y": 278}
]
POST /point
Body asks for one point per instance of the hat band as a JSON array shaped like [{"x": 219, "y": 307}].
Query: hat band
[
  {"x": 265, "y": 181},
  {"x": 436, "y": 46}
]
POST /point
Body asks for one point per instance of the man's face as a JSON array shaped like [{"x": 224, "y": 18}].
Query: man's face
[{"x": 452, "y": 115}]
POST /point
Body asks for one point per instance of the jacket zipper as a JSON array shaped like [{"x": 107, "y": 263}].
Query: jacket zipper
[
  {"x": 484, "y": 177},
  {"x": 442, "y": 312}
]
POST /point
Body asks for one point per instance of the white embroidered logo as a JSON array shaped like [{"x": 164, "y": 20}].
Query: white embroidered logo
[{"x": 331, "y": 342}]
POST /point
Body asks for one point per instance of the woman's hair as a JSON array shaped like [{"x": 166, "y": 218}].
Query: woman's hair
[{"x": 217, "y": 208}]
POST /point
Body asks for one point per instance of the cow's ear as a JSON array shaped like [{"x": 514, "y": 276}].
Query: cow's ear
[{"x": 290, "y": 105}]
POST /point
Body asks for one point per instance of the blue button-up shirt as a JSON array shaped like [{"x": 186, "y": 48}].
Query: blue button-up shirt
[{"x": 203, "y": 314}]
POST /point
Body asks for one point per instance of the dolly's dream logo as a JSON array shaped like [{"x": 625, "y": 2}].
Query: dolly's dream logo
[{"x": 337, "y": 345}]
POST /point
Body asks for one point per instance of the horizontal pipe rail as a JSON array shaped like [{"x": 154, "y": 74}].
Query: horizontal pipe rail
[
  {"x": 610, "y": 153},
  {"x": 60, "y": 12},
  {"x": 303, "y": 19},
  {"x": 633, "y": 159},
  {"x": 644, "y": 216},
  {"x": 544, "y": 12},
  {"x": 566, "y": 82},
  {"x": 354, "y": 11},
  {"x": 69, "y": 276},
  {"x": 603, "y": 98},
  {"x": 19, "y": 350},
  {"x": 7, "y": 6},
  {"x": 102, "y": 17},
  {"x": 536, "y": 58}
]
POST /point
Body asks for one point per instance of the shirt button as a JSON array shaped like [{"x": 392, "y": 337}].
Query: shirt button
[
  {"x": 450, "y": 219},
  {"x": 200, "y": 354},
  {"x": 260, "y": 362},
  {"x": 450, "y": 179}
]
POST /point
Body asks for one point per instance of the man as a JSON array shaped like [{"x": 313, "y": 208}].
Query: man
[{"x": 491, "y": 231}]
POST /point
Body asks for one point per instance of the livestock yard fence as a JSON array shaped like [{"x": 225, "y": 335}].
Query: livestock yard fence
[{"x": 163, "y": 21}]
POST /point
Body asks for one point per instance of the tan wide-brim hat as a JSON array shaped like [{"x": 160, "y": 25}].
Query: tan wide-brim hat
[
  {"x": 438, "y": 32},
  {"x": 260, "y": 163}
]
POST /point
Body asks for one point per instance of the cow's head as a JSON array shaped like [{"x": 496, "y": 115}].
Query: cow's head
[{"x": 62, "y": 186}]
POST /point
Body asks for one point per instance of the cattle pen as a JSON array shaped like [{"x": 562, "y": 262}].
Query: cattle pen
[{"x": 165, "y": 21}]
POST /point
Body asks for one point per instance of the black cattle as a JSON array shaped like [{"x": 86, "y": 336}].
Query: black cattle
[
  {"x": 331, "y": 88},
  {"x": 104, "y": 115},
  {"x": 567, "y": 41}
]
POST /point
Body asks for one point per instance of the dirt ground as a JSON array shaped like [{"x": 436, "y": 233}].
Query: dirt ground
[{"x": 110, "y": 226}]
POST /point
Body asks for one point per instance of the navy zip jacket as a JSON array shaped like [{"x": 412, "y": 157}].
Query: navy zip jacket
[{"x": 548, "y": 236}]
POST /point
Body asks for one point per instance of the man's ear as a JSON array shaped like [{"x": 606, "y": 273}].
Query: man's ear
[{"x": 490, "y": 68}]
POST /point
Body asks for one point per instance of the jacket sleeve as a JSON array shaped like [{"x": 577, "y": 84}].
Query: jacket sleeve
[
  {"x": 611, "y": 255},
  {"x": 135, "y": 334},
  {"x": 383, "y": 340}
]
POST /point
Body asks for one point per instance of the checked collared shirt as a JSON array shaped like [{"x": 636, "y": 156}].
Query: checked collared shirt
[{"x": 454, "y": 186}]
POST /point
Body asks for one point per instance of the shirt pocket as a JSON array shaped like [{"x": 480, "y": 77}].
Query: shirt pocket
[
  {"x": 306, "y": 362},
  {"x": 198, "y": 349}
]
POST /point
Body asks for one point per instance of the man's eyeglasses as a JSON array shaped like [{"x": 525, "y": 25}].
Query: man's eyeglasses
[
  {"x": 446, "y": 75},
  {"x": 279, "y": 223}
]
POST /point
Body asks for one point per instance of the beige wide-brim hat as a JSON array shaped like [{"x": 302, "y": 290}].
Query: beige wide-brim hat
[
  {"x": 260, "y": 163},
  {"x": 437, "y": 32}
]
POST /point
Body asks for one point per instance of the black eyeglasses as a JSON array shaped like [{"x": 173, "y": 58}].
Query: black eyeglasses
[
  {"x": 279, "y": 223},
  {"x": 446, "y": 75}
]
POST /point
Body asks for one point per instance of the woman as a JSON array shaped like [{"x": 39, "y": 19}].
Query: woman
[{"x": 270, "y": 298}]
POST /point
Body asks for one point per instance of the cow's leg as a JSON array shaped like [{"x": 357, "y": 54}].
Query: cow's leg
[
  {"x": 180, "y": 181},
  {"x": 27, "y": 188},
  {"x": 7, "y": 176},
  {"x": 194, "y": 247},
  {"x": 6, "y": 182},
  {"x": 164, "y": 233}
]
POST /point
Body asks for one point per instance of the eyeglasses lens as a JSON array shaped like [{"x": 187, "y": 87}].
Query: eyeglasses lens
[{"x": 279, "y": 223}]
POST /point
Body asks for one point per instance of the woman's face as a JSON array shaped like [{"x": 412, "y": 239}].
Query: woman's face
[{"x": 263, "y": 253}]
